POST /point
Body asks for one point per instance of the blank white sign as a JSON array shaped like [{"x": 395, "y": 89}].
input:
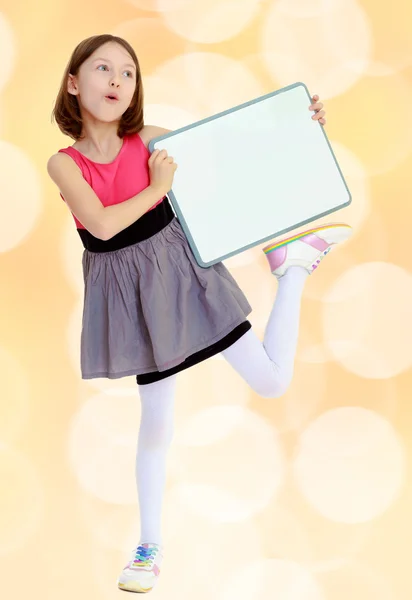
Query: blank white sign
[{"x": 252, "y": 173}]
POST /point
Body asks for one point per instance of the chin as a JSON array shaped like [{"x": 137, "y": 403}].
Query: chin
[{"x": 104, "y": 119}]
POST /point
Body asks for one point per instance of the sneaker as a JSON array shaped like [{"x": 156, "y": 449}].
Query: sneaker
[
  {"x": 142, "y": 571},
  {"x": 306, "y": 249}
]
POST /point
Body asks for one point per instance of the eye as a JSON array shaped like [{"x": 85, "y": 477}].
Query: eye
[{"x": 130, "y": 73}]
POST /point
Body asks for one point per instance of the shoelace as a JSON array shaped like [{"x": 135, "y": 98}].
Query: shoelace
[{"x": 144, "y": 557}]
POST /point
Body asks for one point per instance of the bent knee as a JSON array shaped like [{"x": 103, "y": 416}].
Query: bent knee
[{"x": 275, "y": 386}]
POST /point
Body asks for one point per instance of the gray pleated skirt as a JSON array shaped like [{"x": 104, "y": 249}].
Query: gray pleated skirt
[{"x": 149, "y": 307}]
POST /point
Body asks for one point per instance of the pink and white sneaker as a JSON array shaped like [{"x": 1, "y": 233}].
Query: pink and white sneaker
[
  {"x": 306, "y": 249},
  {"x": 142, "y": 571}
]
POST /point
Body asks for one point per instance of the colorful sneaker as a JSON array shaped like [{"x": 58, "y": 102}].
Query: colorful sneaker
[
  {"x": 306, "y": 249},
  {"x": 142, "y": 571}
]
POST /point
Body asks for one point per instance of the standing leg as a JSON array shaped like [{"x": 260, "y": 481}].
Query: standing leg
[
  {"x": 155, "y": 436},
  {"x": 142, "y": 571}
]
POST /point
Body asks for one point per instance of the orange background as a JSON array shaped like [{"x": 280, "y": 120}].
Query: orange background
[{"x": 307, "y": 497}]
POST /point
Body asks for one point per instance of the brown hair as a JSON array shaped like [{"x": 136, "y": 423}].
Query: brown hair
[{"x": 66, "y": 111}]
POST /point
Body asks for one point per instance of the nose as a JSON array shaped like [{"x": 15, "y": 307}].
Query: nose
[{"x": 114, "y": 81}]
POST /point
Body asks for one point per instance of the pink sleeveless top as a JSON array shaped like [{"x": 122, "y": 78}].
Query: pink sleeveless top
[{"x": 119, "y": 180}]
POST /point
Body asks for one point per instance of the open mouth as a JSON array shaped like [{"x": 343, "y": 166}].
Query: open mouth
[{"x": 111, "y": 98}]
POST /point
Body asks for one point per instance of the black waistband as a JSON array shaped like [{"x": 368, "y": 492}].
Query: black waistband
[{"x": 149, "y": 224}]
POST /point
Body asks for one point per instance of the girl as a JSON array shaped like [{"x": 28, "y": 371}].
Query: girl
[{"x": 149, "y": 309}]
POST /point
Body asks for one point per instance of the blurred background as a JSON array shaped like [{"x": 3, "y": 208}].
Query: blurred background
[{"x": 303, "y": 498}]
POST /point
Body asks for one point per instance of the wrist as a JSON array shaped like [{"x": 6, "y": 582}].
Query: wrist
[{"x": 158, "y": 190}]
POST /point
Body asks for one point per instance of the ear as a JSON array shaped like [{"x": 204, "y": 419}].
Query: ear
[{"x": 72, "y": 85}]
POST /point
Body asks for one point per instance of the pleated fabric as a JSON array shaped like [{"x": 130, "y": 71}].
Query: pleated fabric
[{"x": 150, "y": 306}]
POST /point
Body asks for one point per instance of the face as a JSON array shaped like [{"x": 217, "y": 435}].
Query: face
[{"x": 109, "y": 70}]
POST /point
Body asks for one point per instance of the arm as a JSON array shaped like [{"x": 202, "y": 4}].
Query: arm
[{"x": 102, "y": 222}]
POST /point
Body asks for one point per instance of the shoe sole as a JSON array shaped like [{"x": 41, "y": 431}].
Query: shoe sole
[
  {"x": 133, "y": 587},
  {"x": 339, "y": 233}
]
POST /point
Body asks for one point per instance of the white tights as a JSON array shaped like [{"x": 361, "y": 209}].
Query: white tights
[{"x": 268, "y": 369}]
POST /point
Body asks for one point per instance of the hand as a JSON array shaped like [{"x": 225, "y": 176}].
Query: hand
[
  {"x": 317, "y": 107},
  {"x": 162, "y": 170}
]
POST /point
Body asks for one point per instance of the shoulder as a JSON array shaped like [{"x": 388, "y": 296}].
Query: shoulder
[
  {"x": 59, "y": 163},
  {"x": 149, "y": 132}
]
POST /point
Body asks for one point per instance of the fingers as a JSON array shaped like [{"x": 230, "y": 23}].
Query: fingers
[
  {"x": 319, "y": 115},
  {"x": 158, "y": 151},
  {"x": 162, "y": 155},
  {"x": 316, "y": 106},
  {"x": 157, "y": 154},
  {"x": 153, "y": 157},
  {"x": 171, "y": 161}
]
